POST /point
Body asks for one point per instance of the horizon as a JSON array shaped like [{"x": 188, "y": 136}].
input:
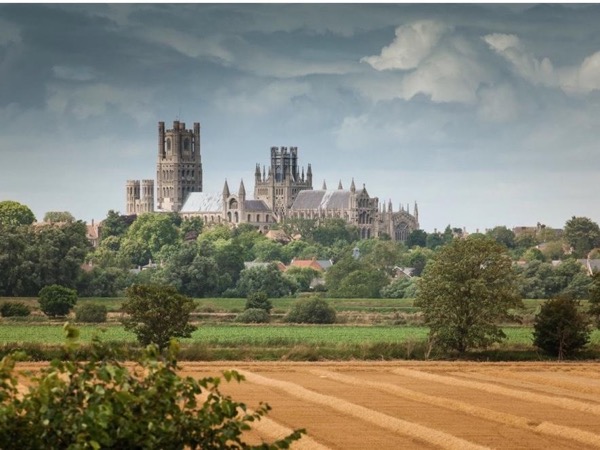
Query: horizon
[{"x": 484, "y": 115}]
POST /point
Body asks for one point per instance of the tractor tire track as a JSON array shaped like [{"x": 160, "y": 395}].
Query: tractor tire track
[
  {"x": 565, "y": 403},
  {"x": 545, "y": 428},
  {"x": 411, "y": 429}
]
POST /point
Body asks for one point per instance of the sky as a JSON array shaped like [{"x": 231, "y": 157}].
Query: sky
[{"x": 483, "y": 114}]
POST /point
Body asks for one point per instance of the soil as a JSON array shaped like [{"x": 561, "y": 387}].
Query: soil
[{"x": 406, "y": 405}]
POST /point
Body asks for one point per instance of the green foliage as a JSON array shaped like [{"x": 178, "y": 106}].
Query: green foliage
[
  {"x": 400, "y": 288},
  {"x": 91, "y": 313},
  {"x": 503, "y": 236},
  {"x": 57, "y": 300},
  {"x": 14, "y": 214},
  {"x": 303, "y": 276},
  {"x": 582, "y": 234},
  {"x": 104, "y": 282},
  {"x": 268, "y": 279},
  {"x": 417, "y": 238},
  {"x": 560, "y": 329},
  {"x": 466, "y": 291},
  {"x": 331, "y": 230},
  {"x": 363, "y": 283},
  {"x": 115, "y": 225},
  {"x": 103, "y": 403},
  {"x": 146, "y": 237},
  {"x": 259, "y": 300},
  {"x": 311, "y": 310},
  {"x": 14, "y": 309},
  {"x": 594, "y": 298},
  {"x": 543, "y": 280},
  {"x": 254, "y": 315},
  {"x": 266, "y": 251},
  {"x": 58, "y": 216},
  {"x": 157, "y": 313},
  {"x": 191, "y": 228}
]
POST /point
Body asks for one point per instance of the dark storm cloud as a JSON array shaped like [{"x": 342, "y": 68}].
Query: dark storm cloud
[{"x": 401, "y": 96}]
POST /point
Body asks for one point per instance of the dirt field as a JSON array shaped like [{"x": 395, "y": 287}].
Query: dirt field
[
  {"x": 405, "y": 405},
  {"x": 421, "y": 405}
]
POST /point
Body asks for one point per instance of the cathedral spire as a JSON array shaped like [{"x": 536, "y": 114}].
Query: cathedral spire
[
  {"x": 416, "y": 210},
  {"x": 242, "y": 190},
  {"x": 226, "y": 192},
  {"x": 303, "y": 174},
  {"x": 352, "y": 186},
  {"x": 390, "y": 208},
  {"x": 340, "y": 187},
  {"x": 324, "y": 185}
]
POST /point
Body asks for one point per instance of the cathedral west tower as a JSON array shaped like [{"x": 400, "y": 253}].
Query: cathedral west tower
[{"x": 179, "y": 165}]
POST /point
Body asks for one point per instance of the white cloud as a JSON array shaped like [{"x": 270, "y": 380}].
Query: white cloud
[
  {"x": 571, "y": 79},
  {"x": 412, "y": 44},
  {"x": 526, "y": 65}
]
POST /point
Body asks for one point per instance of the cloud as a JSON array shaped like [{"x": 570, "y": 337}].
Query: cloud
[
  {"x": 74, "y": 73},
  {"x": 498, "y": 103},
  {"x": 571, "y": 79},
  {"x": 412, "y": 44}
]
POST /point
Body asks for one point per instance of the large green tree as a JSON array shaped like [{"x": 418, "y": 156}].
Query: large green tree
[
  {"x": 582, "y": 234},
  {"x": 155, "y": 314},
  {"x": 58, "y": 216},
  {"x": 147, "y": 236},
  {"x": 466, "y": 291},
  {"x": 14, "y": 213}
]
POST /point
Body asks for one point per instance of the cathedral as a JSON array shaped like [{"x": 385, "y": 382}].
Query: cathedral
[{"x": 283, "y": 190}]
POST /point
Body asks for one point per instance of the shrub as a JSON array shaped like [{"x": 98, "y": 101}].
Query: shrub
[
  {"x": 14, "y": 309},
  {"x": 253, "y": 315},
  {"x": 311, "y": 310},
  {"x": 91, "y": 313},
  {"x": 560, "y": 329},
  {"x": 101, "y": 402},
  {"x": 57, "y": 300},
  {"x": 259, "y": 300}
]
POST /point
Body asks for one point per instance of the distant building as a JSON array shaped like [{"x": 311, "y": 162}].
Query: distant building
[{"x": 283, "y": 191}]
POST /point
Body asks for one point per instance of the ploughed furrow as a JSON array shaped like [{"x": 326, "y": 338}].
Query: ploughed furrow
[
  {"x": 560, "y": 402},
  {"x": 411, "y": 429},
  {"x": 550, "y": 381},
  {"x": 545, "y": 428},
  {"x": 271, "y": 430}
]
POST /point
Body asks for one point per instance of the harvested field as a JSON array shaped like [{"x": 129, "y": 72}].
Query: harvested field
[{"x": 393, "y": 405}]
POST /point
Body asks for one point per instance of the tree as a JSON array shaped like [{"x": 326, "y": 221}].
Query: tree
[
  {"x": 366, "y": 282},
  {"x": 57, "y": 300},
  {"x": 267, "y": 279},
  {"x": 157, "y": 313},
  {"x": 560, "y": 329},
  {"x": 58, "y": 216},
  {"x": 14, "y": 214},
  {"x": 311, "y": 310},
  {"x": 594, "y": 298},
  {"x": 91, "y": 313},
  {"x": 147, "y": 236},
  {"x": 101, "y": 402},
  {"x": 466, "y": 291},
  {"x": 303, "y": 276},
  {"x": 399, "y": 288},
  {"x": 114, "y": 225},
  {"x": 417, "y": 238},
  {"x": 503, "y": 236},
  {"x": 582, "y": 234},
  {"x": 259, "y": 300},
  {"x": 331, "y": 230}
]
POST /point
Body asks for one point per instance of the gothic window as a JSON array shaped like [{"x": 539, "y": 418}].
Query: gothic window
[
  {"x": 169, "y": 145},
  {"x": 250, "y": 218},
  {"x": 186, "y": 144},
  {"x": 258, "y": 217},
  {"x": 237, "y": 217},
  {"x": 368, "y": 233},
  {"x": 233, "y": 204},
  {"x": 229, "y": 216},
  {"x": 401, "y": 232}
]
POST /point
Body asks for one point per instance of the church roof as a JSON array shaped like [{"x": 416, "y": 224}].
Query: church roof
[
  {"x": 202, "y": 202},
  {"x": 315, "y": 199},
  {"x": 256, "y": 206}
]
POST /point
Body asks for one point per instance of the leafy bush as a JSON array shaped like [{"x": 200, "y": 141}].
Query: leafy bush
[
  {"x": 14, "y": 309},
  {"x": 91, "y": 313},
  {"x": 253, "y": 315},
  {"x": 102, "y": 403},
  {"x": 311, "y": 310},
  {"x": 259, "y": 300},
  {"x": 157, "y": 313},
  {"x": 57, "y": 300},
  {"x": 400, "y": 288},
  {"x": 560, "y": 329}
]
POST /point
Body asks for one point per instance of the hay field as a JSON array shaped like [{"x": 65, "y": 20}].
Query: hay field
[{"x": 405, "y": 405}]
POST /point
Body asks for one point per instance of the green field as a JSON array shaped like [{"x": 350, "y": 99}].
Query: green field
[{"x": 254, "y": 335}]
